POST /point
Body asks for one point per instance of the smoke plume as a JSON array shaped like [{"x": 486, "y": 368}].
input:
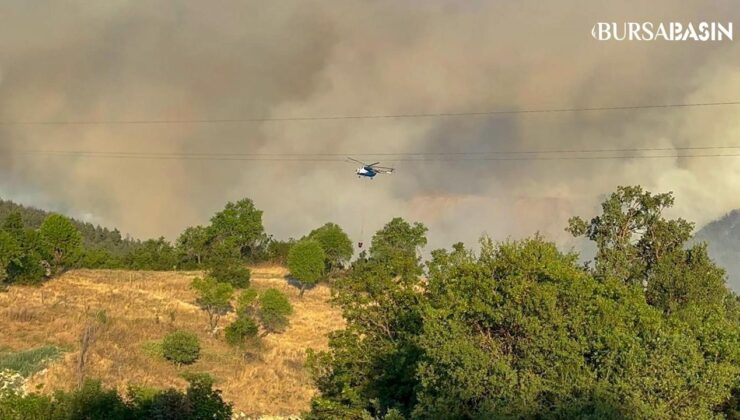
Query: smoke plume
[{"x": 160, "y": 60}]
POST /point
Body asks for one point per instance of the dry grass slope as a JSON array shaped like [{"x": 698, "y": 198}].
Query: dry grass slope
[{"x": 143, "y": 306}]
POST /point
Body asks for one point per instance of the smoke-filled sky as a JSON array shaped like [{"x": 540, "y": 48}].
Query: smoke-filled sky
[{"x": 152, "y": 60}]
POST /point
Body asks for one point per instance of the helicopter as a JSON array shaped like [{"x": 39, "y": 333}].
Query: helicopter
[{"x": 370, "y": 170}]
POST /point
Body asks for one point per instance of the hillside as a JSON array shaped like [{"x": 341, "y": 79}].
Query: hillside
[
  {"x": 139, "y": 309},
  {"x": 723, "y": 239},
  {"x": 93, "y": 236}
]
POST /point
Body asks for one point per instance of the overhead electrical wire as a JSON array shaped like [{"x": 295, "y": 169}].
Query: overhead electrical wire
[
  {"x": 501, "y": 155},
  {"x": 366, "y": 116},
  {"x": 366, "y": 154}
]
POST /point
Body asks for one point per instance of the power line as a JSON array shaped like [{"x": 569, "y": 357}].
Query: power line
[
  {"x": 315, "y": 159},
  {"x": 368, "y": 116},
  {"x": 405, "y": 155}
]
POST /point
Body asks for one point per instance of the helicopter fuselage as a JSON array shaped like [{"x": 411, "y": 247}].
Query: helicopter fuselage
[{"x": 366, "y": 171}]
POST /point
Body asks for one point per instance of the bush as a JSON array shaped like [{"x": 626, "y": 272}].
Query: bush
[
  {"x": 274, "y": 310},
  {"x": 181, "y": 347},
  {"x": 240, "y": 330},
  {"x": 232, "y": 272},
  {"x": 93, "y": 402}
]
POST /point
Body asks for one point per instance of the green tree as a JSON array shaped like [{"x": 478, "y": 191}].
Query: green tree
[
  {"x": 30, "y": 266},
  {"x": 637, "y": 245},
  {"x": 152, "y": 254},
  {"x": 13, "y": 223},
  {"x": 62, "y": 241},
  {"x": 214, "y": 298},
  {"x": 306, "y": 262},
  {"x": 336, "y": 244},
  {"x": 181, "y": 347},
  {"x": 24, "y": 261},
  {"x": 523, "y": 331},
  {"x": 372, "y": 364},
  {"x": 274, "y": 310},
  {"x": 239, "y": 225},
  {"x": 397, "y": 245},
  {"x": 242, "y": 329},
  {"x": 192, "y": 245},
  {"x": 10, "y": 253},
  {"x": 232, "y": 272},
  {"x": 277, "y": 251}
]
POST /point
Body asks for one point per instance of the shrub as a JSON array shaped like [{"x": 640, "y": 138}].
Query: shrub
[
  {"x": 240, "y": 330},
  {"x": 213, "y": 297},
  {"x": 274, "y": 310},
  {"x": 231, "y": 272},
  {"x": 181, "y": 347},
  {"x": 92, "y": 402}
]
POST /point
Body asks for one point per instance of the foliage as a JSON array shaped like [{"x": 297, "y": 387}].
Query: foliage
[
  {"x": 192, "y": 246},
  {"x": 62, "y": 241},
  {"x": 153, "y": 348},
  {"x": 277, "y": 251},
  {"x": 371, "y": 365},
  {"x": 240, "y": 330},
  {"x": 336, "y": 245},
  {"x": 152, "y": 254},
  {"x": 22, "y": 252},
  {"x": 245, "y": 304},
  {"x": 10, "y": 253},
  {"x": 93, "y": 237},
  {"x": 396, "y": 247},
  {"x": 523, "y": 331},
  {"x": 274, "y": 310},
  {"x": 239, "y": 225},
  {"x": 181, "y": 347},
  {"x": 214, "y": 298},
  {"x": 92, "y": 402},
  {"x": 232, "y": 272},
  {"x": 306, "y": 262},
  {"x": 30, "y": 361}
]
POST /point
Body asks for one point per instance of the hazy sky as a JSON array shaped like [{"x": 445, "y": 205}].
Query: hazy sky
[{"x": 131, "y": 60}]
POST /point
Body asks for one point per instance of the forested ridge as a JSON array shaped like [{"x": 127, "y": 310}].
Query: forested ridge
[{"x": 516, "y": 329}]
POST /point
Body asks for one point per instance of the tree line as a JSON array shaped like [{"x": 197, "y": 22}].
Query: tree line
[
  {"x": 516, "y": 329},
  {"x": 520, "y": 329},
  {"x": 36, "y": 245}
]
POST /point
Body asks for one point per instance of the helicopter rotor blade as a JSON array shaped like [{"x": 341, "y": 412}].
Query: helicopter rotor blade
[{"x": 357, "y": 161}]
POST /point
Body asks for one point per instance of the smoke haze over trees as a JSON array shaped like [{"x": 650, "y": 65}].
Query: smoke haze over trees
[{"x": 126, "y": 60}]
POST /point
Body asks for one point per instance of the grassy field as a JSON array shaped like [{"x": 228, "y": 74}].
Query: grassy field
[{"x": 133, "y": 310}]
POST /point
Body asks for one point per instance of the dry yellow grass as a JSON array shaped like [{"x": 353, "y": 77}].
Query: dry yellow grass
[{"x": 144, "y": 306}]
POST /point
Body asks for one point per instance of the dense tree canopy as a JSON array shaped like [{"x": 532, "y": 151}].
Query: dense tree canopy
[
  {"x": 239, "y": 225},
  {"x": 336, "y": 245},
  {"x": 62, "y": 240},
  {"x": 521, "y": 330},
  {"x": 192, "y": 245}
]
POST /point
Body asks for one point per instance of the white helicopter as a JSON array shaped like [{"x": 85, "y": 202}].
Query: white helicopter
[{"x": 370, "y": 170}]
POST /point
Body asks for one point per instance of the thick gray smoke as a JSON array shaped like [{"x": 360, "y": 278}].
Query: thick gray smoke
[{"x": 131, "y": 60}]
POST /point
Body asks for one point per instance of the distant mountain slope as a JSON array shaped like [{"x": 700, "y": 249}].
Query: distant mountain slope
[
  {"x": 723, "y": 238},
  {"x": 94, "y": 237}
]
